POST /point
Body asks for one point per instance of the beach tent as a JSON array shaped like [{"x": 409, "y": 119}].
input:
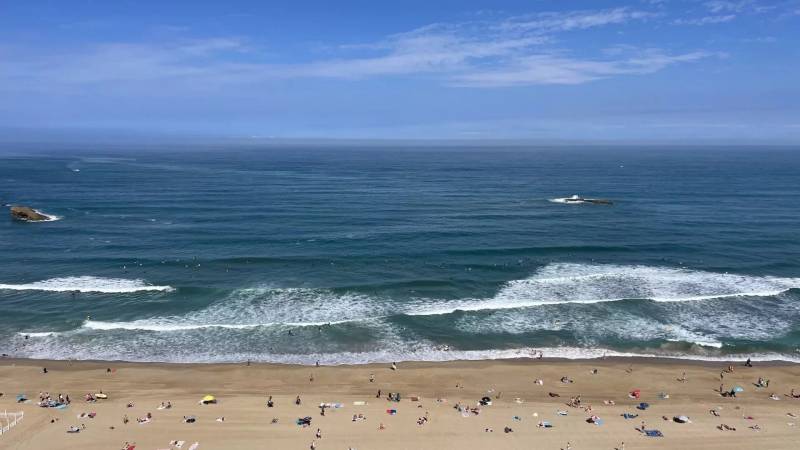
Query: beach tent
[
  {"x": 681, "y": 419},
  {"x": 636, "y": 393},
  {"x": 642, "y": 406},
  {"x": 208, "y": 399}
]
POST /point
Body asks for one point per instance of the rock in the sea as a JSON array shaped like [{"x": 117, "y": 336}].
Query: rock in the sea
[{"x": 26, "y": 213}]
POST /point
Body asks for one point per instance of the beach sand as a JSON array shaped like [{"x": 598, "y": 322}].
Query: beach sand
[{"x": 242, "y": 393}]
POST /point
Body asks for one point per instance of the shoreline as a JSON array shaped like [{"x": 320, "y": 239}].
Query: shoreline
[{"x": 638, "y": 359}]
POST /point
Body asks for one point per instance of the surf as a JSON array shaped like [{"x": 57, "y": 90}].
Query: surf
[{"x": 88, "y": 284}]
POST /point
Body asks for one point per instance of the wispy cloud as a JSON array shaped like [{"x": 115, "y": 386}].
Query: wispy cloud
[
  {"x": 706, "y": 20},
  {"x": 728, "y": 6},
  {"x": 497, "y": 52},
  {"x": 550, "y": 69}
]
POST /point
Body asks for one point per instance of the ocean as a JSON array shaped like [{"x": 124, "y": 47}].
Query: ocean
[{"x": 340, "y": 254}]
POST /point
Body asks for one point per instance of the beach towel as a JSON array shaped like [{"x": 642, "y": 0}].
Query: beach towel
[
  {"x": 561, "y": 413},
  {"x": 630, "y": 416},
  {"x": 643, "y": 406},
  {"x": 359, "y": 403},
  {"x": 392, "y": 412},
  {"x": 653, "y": 433}
]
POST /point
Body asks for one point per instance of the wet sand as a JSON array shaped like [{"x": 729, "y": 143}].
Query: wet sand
[{"x": 242, "y": 393}]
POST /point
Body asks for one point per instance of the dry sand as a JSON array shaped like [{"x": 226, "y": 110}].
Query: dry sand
[{"x": 242, "y": 392}]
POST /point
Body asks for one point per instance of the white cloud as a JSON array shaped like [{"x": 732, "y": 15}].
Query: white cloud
[
  {"x": 707, "y": 20},
  {"x": 489, "y": 53},
  {"x": 727, "y": 6},
  {"x": 549, "y": 69},
  {"x": 577, "y": 20}
]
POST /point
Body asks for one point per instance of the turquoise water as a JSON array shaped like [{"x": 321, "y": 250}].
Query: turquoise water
[{"x": 375, "y": 254}]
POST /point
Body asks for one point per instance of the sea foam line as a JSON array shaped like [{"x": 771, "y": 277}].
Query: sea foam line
[{"x": 87, "y": 284}]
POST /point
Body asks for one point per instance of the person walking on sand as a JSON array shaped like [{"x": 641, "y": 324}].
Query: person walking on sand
[
  {"x": 313, "y": 445},
  {"x": 319, "y": 434}
]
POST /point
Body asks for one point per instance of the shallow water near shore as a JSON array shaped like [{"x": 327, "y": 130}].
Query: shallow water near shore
[{"x": 363, "y": 255}]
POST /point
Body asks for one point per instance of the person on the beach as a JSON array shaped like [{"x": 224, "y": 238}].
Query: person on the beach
[
  {"x": 297, "y": 401},
  {"x": 394, "y": 366},
  {"x": 319, "y": 434},
  {"x": 372, "y": 378},
  {"x": 270, "y": 403}
]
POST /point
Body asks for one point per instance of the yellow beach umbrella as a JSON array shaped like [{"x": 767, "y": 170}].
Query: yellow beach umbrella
[{"x": 209, "y": 399}]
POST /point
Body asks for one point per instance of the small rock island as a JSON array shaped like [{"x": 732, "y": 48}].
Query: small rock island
[{"x": 28, "y": 214}]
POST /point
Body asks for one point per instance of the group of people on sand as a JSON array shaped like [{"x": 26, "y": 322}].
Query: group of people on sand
[
  {"x": 47, "y": 401},
  {"x": 466, "y": 409}
]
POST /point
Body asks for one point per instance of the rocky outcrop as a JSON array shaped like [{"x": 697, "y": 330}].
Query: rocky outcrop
[{"x": 27, "y": 214}]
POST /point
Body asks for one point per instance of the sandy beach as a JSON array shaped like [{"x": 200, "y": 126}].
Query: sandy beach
[{"x": 432, "y": 390}]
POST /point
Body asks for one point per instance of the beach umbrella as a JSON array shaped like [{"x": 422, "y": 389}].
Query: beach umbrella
[{"x": 209, "y": 399}]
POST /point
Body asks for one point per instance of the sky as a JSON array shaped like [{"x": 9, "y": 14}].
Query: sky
[{"x": 725, "y": 71}]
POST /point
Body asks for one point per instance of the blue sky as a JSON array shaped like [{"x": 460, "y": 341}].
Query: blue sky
[{"x": 642, "y": 70}]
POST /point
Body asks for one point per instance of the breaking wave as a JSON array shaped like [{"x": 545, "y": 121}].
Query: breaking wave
[{"x": 87, "y": 284}]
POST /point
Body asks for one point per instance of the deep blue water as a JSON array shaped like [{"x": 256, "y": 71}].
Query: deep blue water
[{"x": 375, "y": 254}]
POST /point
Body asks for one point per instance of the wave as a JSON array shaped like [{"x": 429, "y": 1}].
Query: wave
[
  {"x": 554, "y": 284},
  {"x": 163, "y": 325},
  {"x": 390, "y": 352},
  {"x": 87, "y": 284},
  {"x": 594, "y": 283}
]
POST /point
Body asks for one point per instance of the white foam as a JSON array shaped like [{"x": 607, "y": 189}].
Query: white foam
[
  {"x": 551, "y": 285},
  {"x": 392, "y": 351},
  {"x": 87, "y": 284},
  {"x": 595, "y": 283},
  {"x": 169, "y": 325},
  {"x": 262, "y": 307},
  {"x": 567, "y": 200},
  {"x": 38, "y": 334}
]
